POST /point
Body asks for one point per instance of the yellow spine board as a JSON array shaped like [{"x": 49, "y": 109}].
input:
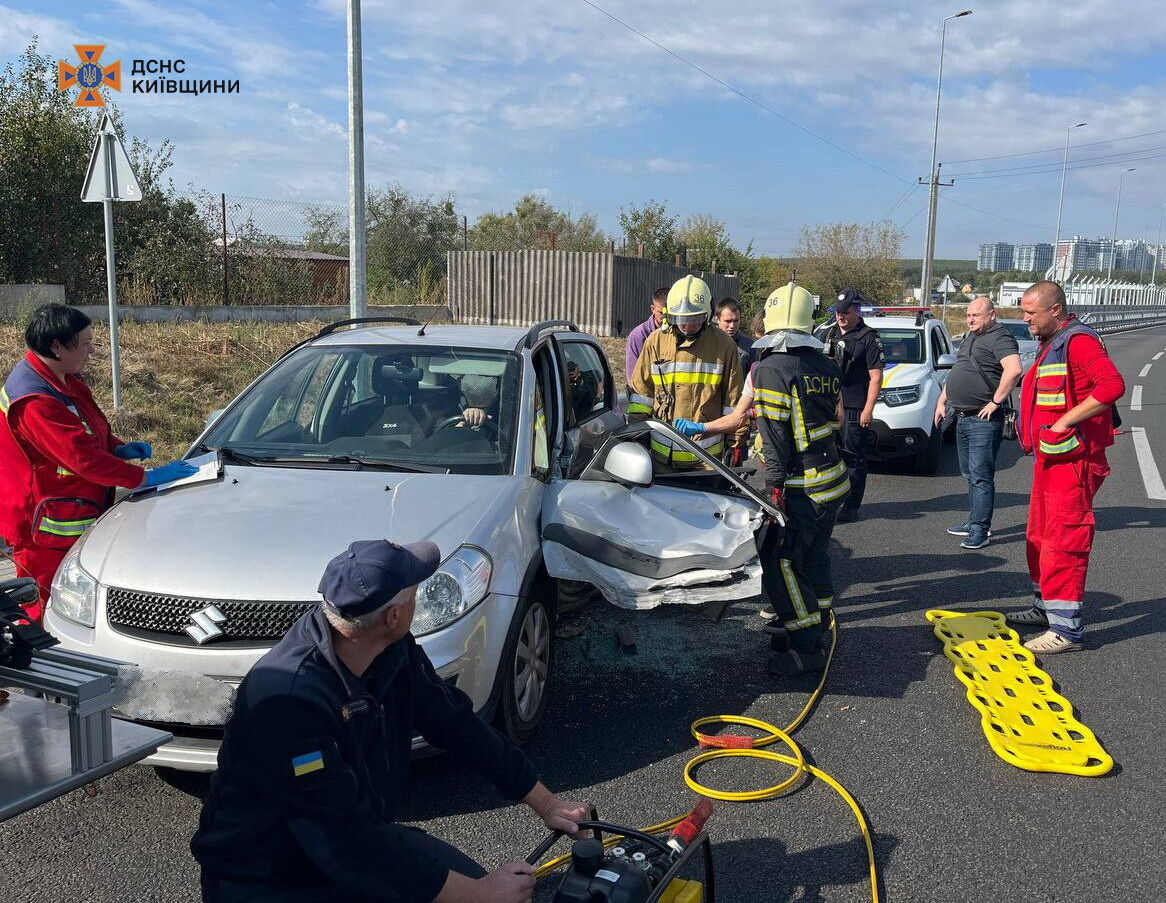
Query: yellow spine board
[
  {"x": 1026, "y": 721},
  {"x": 681, "y": 891}
]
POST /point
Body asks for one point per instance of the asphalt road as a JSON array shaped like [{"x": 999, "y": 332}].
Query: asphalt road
[{"x": 952, "y": 822}]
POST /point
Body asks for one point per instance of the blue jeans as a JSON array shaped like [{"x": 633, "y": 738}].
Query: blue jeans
[{"x": 977, "y": 442}]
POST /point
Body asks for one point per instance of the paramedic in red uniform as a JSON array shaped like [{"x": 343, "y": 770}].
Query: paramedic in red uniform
[
  {"x": 1067, "y": 422},
  {"x": 59, "y": 459}
]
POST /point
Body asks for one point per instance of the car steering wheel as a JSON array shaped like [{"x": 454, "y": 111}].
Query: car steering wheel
[{"x": 487, "y": 425}]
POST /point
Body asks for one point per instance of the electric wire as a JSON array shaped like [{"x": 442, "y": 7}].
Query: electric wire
[
  {"x": 728, "y": 87},
  {"x": 1057, "y": 150},
  {"x": 1082, "y": 163},
  {"x": 732, "y": 746}
]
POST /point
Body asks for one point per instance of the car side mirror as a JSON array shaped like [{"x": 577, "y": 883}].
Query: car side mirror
[
  {"x": 945, "y": 362},
  {"x": 630, "y": 464},
  {"x": 213, "y": 416}
]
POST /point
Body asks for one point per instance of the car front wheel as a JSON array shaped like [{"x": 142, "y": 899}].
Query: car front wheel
[{"x": 526, "y": 670}]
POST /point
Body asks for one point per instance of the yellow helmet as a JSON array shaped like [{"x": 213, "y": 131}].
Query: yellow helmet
[
  {"x": 790, "y": 307},
  {"x": 689, "y": 299}
]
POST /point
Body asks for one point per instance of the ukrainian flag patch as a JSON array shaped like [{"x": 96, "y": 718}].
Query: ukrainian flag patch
[{"x": 307, "y": 763}]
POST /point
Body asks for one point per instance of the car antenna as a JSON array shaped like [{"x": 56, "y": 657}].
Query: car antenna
[{"x": 436, "y": 311}]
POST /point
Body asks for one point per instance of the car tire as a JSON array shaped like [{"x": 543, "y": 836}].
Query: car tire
[
  {"x": 927, "y": 461},
  {"x": 526, "y": 664},
  {"x": 573, "y": 594}
]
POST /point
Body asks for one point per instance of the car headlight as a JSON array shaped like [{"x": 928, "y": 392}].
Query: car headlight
[
  {"x": 458, "y": 585},
  {"x": 895, "y": 396},
  {"x": 74, "y": 592}
]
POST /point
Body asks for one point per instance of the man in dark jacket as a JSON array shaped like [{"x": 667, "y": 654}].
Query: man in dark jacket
[
  {"x": 314, "y": 764},
  {"x": 855, "y": 347}
]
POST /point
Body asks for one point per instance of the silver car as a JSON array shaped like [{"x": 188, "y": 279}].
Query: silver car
[{"x": 504, "y": 446}]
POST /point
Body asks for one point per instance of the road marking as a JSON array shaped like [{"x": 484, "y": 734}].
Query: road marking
[
  {"x": 1136, "y": 399},
  {"x": 1158, "y": 355},
  {"x": 1145, "y": 371},
  {"x": 1155, "y": 488}
]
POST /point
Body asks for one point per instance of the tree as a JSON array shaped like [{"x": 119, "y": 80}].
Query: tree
[
  {"x": 649, "y": 225},
  {"x": 532, "y": 224},
  {"x": 408, "y": 238},
  {"x": 837, "y": 256}
]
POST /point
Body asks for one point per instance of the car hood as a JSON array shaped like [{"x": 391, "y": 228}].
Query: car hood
[
  {"x": 905, "y": 374},
  {"x": 268, "y": 532}
]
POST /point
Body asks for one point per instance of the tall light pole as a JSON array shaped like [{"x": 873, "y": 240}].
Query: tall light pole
[
  {"x": 1157, "y": 250},
  {"x": 1113, "y": 241},
  {"x": 933, "y": 175},
  {"x": 1061, "y": 202},
  {"x": 357, "y": 276}
]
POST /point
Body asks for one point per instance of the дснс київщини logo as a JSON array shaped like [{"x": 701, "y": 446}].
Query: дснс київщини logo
[{"x": 90, "y": 76}]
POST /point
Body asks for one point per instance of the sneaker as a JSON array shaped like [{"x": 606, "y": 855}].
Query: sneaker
[
  {"x": 793, "y": 662},
  {"x": 847, "y": 516},
  {"x": 1050, "y": 643},
  {"x": 963, "y": 529},
  {"x": 767, "y": 613},
  {"x": 1029, "y": 617},
  {"x": 977, "y": 538}
]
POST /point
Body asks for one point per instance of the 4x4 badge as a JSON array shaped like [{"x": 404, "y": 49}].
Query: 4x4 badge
[{"x": 206, "y": 624}]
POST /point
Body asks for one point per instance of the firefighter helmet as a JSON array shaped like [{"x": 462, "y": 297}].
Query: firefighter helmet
[
  {"x": 689, "y": 301},
  {"x": 789, "y": 307}
]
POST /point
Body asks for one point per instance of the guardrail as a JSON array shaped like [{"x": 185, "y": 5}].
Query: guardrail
[{"x": 1119, "y": 318}]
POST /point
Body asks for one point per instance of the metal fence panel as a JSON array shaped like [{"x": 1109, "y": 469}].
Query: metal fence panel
[{"x": 634, "y": 280}]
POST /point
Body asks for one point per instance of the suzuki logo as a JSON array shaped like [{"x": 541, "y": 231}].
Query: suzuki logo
[{"x": 206, "y": 624}]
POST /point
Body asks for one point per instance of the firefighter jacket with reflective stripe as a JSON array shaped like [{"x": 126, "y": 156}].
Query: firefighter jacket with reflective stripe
[
  {"x": 795, "y": 394},
  {"x": 56, "y": 456},
  {"x": 1071, "y": 366},
  {"x": 698, "y": 378}
]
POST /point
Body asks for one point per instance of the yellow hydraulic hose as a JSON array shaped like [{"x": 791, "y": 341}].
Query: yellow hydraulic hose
[{"x": 753, "y": 747}]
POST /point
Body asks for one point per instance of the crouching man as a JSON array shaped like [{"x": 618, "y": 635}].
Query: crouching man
[{"x": 314, "y": 765}]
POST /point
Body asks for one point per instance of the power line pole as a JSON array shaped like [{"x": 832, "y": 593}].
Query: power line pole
[
  {"x": 357, "y": 275},
  {"x": 929, "y": 241}
]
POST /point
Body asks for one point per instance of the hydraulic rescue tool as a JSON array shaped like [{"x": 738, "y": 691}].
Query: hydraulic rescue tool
[
  {"x": 20, "y": 636},
  {"x": 634, "y": 866}
]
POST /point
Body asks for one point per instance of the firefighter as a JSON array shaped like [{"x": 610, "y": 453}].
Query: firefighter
[
  {"x": 796, "y": 392},
  {"x": 687, "y": 369},
  {"x": 59, "y": 459}
]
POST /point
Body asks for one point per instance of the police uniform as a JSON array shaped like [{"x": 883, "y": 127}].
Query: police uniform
[
  {"x": 796, "y": 395},
  {"x": 313, "y": 770},
  {"x": 857, "y": 352}
]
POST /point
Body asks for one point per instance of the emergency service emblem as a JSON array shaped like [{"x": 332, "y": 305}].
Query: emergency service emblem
[{"x": 90, "y": 76}]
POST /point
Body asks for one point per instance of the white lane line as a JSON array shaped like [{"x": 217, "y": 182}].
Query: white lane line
[
  {"x": 1155, "y": 488},
  {"x": 1145, "y": 371},
  {"x": 1158, "y": 355},
  {"x": 1136, "y": 399}
]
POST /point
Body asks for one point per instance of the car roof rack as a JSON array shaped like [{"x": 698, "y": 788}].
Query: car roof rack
[
  {"x": 351, "y": 321},
  {"x": 537, "y": 330},
  {"x": 923, "y": 316}
]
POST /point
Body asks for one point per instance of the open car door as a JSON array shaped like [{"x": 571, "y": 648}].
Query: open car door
[{"x": 644, "y": 538}]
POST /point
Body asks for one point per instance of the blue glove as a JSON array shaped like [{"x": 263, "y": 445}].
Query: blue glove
[
  {"x": 175, "y": 470},
  {"x": 687, "y": 427},
  {"x": 138, "y": 450}
]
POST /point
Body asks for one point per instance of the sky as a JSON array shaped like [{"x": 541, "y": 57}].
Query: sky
[{"x": 767, "y": 115}]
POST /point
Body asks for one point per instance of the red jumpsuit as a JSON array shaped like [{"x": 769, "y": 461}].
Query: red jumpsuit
[
  {"x": 1070, "y": 467},
  {"x": 57, "y": 468}
]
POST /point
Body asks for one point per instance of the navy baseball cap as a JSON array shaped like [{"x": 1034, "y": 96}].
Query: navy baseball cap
[
  {"x": 852, "y": 297},
  {"x": 372, "y": 571}
]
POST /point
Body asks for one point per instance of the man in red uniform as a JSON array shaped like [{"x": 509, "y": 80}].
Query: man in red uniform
[
  {"x": 1066, "y": 421},
  {"x": 59, "y": 459}
]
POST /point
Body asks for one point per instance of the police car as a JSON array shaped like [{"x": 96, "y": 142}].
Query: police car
[{"x": 919, "y": 354}]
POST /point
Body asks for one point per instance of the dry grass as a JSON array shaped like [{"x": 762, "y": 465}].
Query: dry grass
[{"x": 173, "y": 375}]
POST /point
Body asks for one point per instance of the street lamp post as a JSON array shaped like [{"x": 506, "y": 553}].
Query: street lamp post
[
  {"x": 1061, "y": 202},
  {"x": 357, "y": 239},
  {"x": 1157, "y": 250},
  {"x": 1113, "y": 241},
  {"x": 933, "y": 175}
]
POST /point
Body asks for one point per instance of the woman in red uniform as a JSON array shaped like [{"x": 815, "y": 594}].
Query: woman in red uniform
[{"x": 59, "y": 459}]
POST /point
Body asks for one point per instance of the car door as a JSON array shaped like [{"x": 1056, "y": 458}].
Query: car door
[
  {"x": 588, "y": 402},
  {"x": 654, "y": 538}
]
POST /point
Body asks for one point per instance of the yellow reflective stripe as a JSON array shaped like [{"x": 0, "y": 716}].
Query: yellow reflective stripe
[
  {"x": 663, "y": 368},
  {"x": 1059, "y": 448},
  {"x": 667, "y": 452},
  {"x": 808, "y": 621},
  {"x": 633, "y": 398},
  {"x": 801, "y": 440},
  {"x": 814, "y": 477},
  {"x": 771, "y": 395},
  {"x": 707, "y": 379},
  {"x": 771, "y": 413},
  {"x": 795, "y": 594},
  {"x": 829, "y": 495},
  {"x": 1050, "y": 399},
  {"x": 1052, "y": 370},
  {"x": 636, "y": 408},
  {"x": 826, "y": 603},
  {"x": 4, "y": 402},
  {"x": 821, "y": 432},
  {"x": 64, "y": 527}
]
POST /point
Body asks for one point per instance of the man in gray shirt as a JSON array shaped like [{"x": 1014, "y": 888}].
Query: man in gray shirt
[{"x": 978, "y": 388}]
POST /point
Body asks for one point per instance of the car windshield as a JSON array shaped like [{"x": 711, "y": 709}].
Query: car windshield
[
  {"x": 901, "y": 346},
  {"x": 1019, "y": 331},
  {"x": 426, "y": 408}
]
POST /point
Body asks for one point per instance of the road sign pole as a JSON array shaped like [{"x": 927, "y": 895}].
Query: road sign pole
[{"x": 111, "y": 272}]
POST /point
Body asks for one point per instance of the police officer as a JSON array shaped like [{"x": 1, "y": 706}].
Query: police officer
[
  {"x": 795, "y": 391},
  {"x": 314, "y": 764},
  {"x": 855, "y": 347}
]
